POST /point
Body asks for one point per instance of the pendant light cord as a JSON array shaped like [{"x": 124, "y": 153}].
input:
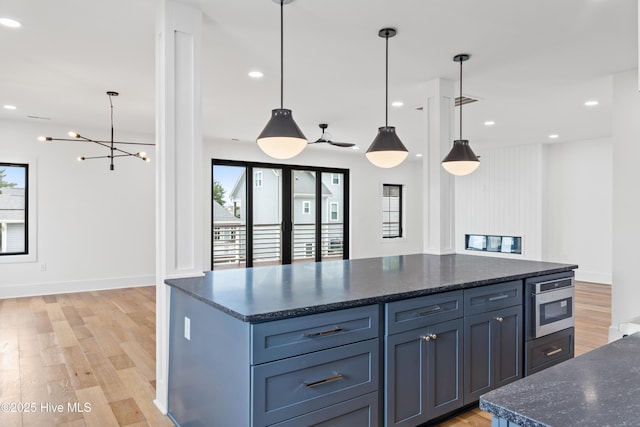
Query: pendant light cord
[
  {"x": 386, "y": 82},
  {"x": 461, "y": 100},
  {"x": 281, "y": 54}
]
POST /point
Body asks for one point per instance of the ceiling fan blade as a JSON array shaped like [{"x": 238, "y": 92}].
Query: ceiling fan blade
[
  {"x": 341, "y": 144},
  {"x": 318, "y": 141}
]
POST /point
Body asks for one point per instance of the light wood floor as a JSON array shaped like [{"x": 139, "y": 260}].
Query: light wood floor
[
  {"x": 99, "y": 348},
  {"x": 592, "y": 320},
  {"x": 90, "y": 347}
]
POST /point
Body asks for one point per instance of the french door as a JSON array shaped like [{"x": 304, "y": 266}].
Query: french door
[{"x": 269, "y": 214}]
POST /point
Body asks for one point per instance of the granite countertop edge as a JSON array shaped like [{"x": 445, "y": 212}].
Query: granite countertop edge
[
  {"x": 509, "y": 415},
  {"x": 270, "y": 315}
]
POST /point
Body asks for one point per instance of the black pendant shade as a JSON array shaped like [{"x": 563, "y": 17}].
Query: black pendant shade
[
  {"x": 386, "y": 150},
  {"x": 461, "y": 160},
  {"x": 281, "y": 138}
]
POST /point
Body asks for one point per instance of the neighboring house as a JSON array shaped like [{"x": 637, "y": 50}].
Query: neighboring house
[
  {"x": 12, "y": 220},
  {"x": 228, "y": 236},
  {"x": 267, "y": 193}
]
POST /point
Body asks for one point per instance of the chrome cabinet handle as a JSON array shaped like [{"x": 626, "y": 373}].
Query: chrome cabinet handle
[
  {"x": 324, "y": 381},
  {"x": 499, "y": 319},
  {"x": 498, "y": 298},
  {"x": 429, "y": 337},
  {"x": 320, "y": 334},
  {"x": 551, "y": 352},
  {"x": 433, "y": 309}
]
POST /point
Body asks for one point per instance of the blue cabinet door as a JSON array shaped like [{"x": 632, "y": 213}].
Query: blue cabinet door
[
  {"x": 493, "y": 351},
  {"x": 423, "y": 373}
]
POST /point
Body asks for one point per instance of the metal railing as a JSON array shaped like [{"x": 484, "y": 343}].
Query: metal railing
[{"x": 229, "y": 244}]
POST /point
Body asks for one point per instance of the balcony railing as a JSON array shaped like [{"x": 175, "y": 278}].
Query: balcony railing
[{"x": 229, "y": 245}]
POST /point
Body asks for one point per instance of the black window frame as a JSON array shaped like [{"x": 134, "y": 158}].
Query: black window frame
[
  {"x": 287, "y": 211},
  {"x": 26, "y": 207},
  {"x": 400, "y": 213}
]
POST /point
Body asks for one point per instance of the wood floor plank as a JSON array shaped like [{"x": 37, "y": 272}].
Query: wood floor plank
[{"x": 100, "y": 413}]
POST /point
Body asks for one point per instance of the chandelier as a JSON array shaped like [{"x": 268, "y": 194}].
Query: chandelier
[{"x": 111, "y": 145}]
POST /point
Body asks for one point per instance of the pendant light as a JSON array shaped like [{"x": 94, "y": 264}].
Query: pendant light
[
  {"x": 281, "y": 138},
  {"x": 386, "y": 150},
  {"x": 461, "y": 160}
]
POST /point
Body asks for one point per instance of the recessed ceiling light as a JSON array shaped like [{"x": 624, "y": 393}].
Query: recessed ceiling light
[
  {"x": 255, "y": 74},
  {"x": 554, "y": 136},
  {"x": 489, "y": 123},
  {"x": 397, "y": 104},
  {"x": 10, "y": 107},
  {"x": 591, "y": 103},
  {"x": 11, "y": 23},
  {"x": 355, "y": 147},
  {"x": 418, "y": 155}
]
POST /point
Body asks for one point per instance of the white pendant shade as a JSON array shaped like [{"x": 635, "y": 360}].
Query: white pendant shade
[
  {"x": 386, "y": 159},
  {"x": 282, "y": 147},
  {"x": 460, "y": 168}
]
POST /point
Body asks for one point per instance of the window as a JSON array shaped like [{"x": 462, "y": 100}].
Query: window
[
  {"x": 391, "y": 211},
  {"x": 300, "y": 214},
  {"x": 333, "y": 211},
  {"x": 14, "y": 200}
]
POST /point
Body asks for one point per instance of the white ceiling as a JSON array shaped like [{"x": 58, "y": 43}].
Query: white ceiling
[{"x": 533, "y": 65}]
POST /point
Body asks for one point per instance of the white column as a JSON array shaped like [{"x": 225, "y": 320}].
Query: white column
[
  {"x": 179, "y": 179},
  {"x": 438, "y": 202}
]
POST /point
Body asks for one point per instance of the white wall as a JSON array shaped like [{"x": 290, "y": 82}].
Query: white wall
[
  {"x": 503, "y": 197},
  {"x": 577, "y": 212},
  {"x": 95, "y": 227},
  {"x": 626, "y": 198},
  {"x": 365, "y": 193}
]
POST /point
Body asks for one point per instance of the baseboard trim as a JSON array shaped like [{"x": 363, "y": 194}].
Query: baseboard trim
[
  {"x": 593, "y": 277},
  {"x": 53, "y": 288}
]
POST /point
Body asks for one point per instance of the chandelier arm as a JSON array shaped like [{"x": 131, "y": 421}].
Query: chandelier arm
[{"x": 121, "y": 142}]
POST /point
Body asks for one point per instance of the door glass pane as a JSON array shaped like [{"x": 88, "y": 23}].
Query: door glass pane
[
  {"x": 13, "y": 209},
  {"x": 304, "y": 216},
  {"x": 267, "y": 216},
  {"x": 332, "y": 216},
  {"x": 228, "y": 201}
]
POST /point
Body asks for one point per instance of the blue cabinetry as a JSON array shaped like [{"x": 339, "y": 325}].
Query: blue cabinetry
[
  {"x": 309, "y": 370},
  {"x": 493, "y": 341},
  {"x": 423, "y": 365}
]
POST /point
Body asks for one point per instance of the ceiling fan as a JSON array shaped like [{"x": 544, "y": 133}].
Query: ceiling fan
[{"x": 326, "y": 137}]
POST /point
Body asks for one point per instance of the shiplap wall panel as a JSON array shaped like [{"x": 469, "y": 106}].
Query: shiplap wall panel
[{"x": 503, "y": 197}]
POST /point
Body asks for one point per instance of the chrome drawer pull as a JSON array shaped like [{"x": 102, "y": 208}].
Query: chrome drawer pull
[
  {"x": 552, "y": 352},
  {"x": 320, "y": 334},
  {"x": 429, "y": 337},
  {"x": 433, "y": 309},
  {"x": 499, "y": 297},
  {"x": 499, "y": 319},
  {"x": 324, "y": 381}
]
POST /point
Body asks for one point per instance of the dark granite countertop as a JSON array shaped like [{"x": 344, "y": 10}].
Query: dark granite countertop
[
  {"x": 269, "y": 293},
  {"x": 597, "y": 389}
]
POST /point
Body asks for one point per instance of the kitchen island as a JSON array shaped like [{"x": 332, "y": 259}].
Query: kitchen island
[
  {"x": 597, "y": 389},
  {"x": 345, "y": 342}
]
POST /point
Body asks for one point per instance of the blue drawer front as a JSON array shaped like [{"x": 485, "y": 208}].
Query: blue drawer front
[
  {"x": 488, "y": 298},
  {"x": 359, "y": 412},
  {"x": 415, "y": 313},
  {"x": 292, "y": 337},
  {"x": 292, "y": 387}
]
